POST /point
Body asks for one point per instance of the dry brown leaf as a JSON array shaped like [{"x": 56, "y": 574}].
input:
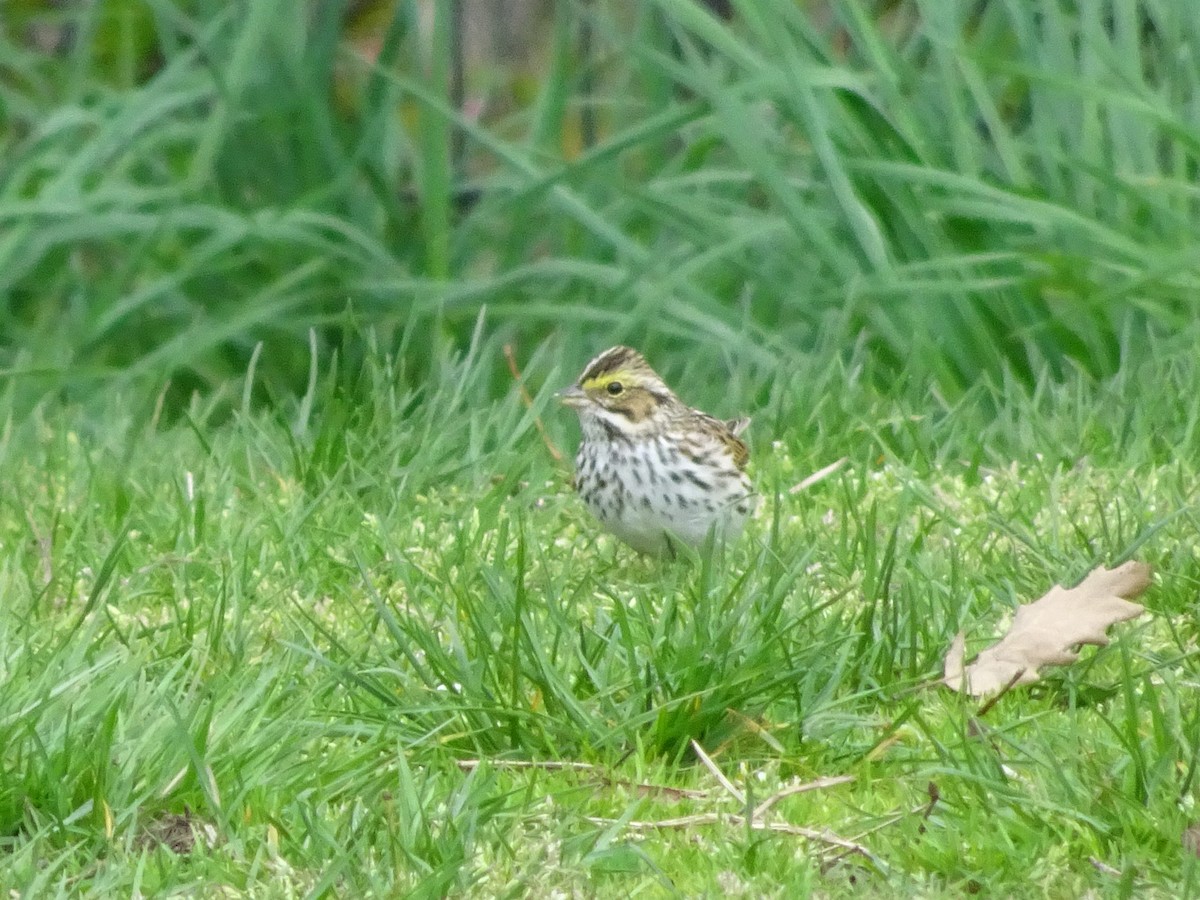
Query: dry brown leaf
[{"x": 1049, "y": 631}]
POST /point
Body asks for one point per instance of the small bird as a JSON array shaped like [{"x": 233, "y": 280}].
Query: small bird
[{"x": 651, "y": 469}]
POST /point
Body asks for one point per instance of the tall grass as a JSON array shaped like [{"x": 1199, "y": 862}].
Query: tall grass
[
  {"x": 304, "y": 623},
  {"x": 993, "y": 188}
]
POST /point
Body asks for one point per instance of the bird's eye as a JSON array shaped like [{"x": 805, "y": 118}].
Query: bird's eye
[{"x": 615, "y": 387}]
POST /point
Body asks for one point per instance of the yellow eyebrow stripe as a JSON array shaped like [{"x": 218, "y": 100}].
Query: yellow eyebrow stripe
[{"x": 599, "y": 381}]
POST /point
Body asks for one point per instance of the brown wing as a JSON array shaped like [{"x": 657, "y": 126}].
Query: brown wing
[
  {"x": 726, "y": 433},
  {"x": 741, "y": 453},
  {"x": 737, "y": 426}
]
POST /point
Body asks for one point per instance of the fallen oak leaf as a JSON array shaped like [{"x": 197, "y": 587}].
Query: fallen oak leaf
[{"x": 1048, "y": 631}]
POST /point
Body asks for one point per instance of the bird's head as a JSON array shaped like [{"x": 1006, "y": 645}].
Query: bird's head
[{"x": 618, "y": 390}]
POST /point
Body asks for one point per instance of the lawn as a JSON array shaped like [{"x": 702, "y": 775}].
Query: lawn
[
  {"x": 370, "y": 643},
  {"x": 295, "y": 596}
]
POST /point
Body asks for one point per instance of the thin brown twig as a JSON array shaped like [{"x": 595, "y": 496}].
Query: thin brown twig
[
  {"x": 700, "y": 819},
  {"x": 794, "y": 789},
  {"x": 891, "y": 820},
  {"x": 511, "y": 358},
  {"x": 647, "y": 790},
  {"x": 823, "y": 837},
  {"x": 935, "y": 795},
  {"x": 550, "y": 765},
  {"x": 604, "y": 778},
  {"x": 992, "y": 701},
  {"x": 753, "y": 821}
]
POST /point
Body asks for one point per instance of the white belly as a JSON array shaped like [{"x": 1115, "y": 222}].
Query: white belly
[{"x": 649, "y": 502}]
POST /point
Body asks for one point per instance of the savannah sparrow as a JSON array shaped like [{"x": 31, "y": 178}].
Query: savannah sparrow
[{"x": 651, "y": 469}]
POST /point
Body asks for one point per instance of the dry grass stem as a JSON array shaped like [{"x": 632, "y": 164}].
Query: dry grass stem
[
  {"x": 718, "y": 774},
  {"x": 794, "y": 789},
  {"x": 819, "y": 475},
  {"x": 511, "y": 359}
]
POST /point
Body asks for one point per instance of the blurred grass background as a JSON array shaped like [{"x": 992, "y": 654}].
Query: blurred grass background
[
  {"x": 991, "y": 189},
  {"x": 281, "y": 548}
]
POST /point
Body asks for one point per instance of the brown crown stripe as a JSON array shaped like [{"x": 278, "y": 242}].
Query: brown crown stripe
[{"x": 615, "y": 359}]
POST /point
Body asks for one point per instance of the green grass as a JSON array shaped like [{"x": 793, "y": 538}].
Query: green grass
[
  {"x": 302, "y": 624},
  {"x": 281, "y": 548},
  {"x": 994, "y": 188}
]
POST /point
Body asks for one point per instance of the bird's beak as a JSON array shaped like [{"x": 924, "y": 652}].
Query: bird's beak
[{"x": 572, "y": 396}]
